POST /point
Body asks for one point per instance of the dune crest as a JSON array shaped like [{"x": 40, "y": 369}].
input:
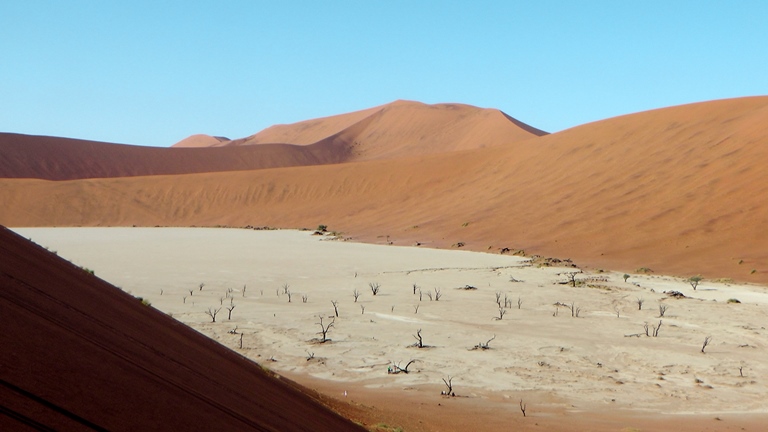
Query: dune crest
[{"x": 202, "y": 140}]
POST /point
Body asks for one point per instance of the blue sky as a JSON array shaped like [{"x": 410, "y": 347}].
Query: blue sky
[{"x": 154, "y": 72}]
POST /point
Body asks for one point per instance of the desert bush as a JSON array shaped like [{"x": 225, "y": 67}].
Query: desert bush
[{"x": 733, "y": 300}]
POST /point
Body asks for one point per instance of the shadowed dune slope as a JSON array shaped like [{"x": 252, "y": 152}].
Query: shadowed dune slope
[
  {"x": 402, "y": 129},
  {"x": 51, "y": 158},
  {"x": 680, "y": 190},
  {"x": 79, "y": 354}
]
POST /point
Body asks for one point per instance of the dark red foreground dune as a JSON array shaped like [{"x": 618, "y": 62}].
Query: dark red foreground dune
[{"x": 79, "y": 354}]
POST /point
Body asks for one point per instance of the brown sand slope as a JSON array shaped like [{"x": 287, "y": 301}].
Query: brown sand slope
[
  {"x": 403, "y": 128},
  {"x": 79, "y": 354},
  {"x": 51, "y": 158},
  {"x": 679, "y": 190}
]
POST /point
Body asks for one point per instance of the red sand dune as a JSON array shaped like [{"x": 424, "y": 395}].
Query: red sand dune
[
  {"x": 680, "y": 190},
  {"x": 403, "y": 128},
  {"x": 79, "y": 354},
  {"x": 396, "y": 130},
  {"x": 51, "y": 158},
  {"x": 202, "y": 140}
]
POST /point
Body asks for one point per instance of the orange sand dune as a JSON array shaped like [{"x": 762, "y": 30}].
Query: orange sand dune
[
  {"x": 680, "y": 190},
  {"x": 28, "y": 156},
  {"x": 202, "y": 140},
  {"x": 396, "y": 130},
  {"x": 79, "y": 354},
  {"x": 403, "y": 128}
]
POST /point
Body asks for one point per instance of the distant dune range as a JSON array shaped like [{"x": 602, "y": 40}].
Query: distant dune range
[
  {"x": 396, "y": 130},
  {"x": 680, "y": 190},
  {"x": 79, "y": 354}
]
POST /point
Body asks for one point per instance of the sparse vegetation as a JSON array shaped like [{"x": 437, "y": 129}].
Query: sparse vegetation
[
  {"x": 375, "y": 286},
  {"x": 419, "y": 340},
  {"x": 707, "y": 341},
  {"x": 335, "y": 307},
  {"x": 449, "y": 384},
  {"x": 484, "y": 346},
  {"x": 211, "y": 312},
  {"x": 694, "y": 281},
  {"x": 324, "y": 329},
  {"x": 662, "y": 309}
]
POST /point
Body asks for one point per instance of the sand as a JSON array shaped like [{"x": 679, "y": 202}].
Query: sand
[
  {"x": 678, "y": 190},
  {"x": 591, "y": 369}
]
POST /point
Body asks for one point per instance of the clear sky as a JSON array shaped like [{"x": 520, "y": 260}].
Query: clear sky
[{"x": 154, "y": 72}]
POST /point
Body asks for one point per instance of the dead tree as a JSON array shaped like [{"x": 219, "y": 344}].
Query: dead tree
[
  {"x": 243, "y": 290},
  {"x": 415, "y": 287},
  {"x": 572, "y": 277},
  {"x": 484, "y": 346},
  {"x": 617, "y": 309},
  {"x": 639, "y": 302},
  {"x": 289, "y": 296},
  {"x": 656, "y": 329},
  {"x": 416, "y": 309},
  {"x": 419, "y": 341},
  {"x": 325, "y": 328},
  {"x": 362, "y": 309},
  {"x": 519, "y": 302},
  {"x": 190, "y": 292},
  {"x": 662, "y": 309},
  {"x": 356, "y": 294},
  {"x": 502, "y": 312},
  {"x": 185, "y": 299},
  {"x": 449, "y": 384},
  {"x": 310, "y": 355},
  {"x": 335, "y": 307},
  {"x": 374, "y": 287},
  {"x": 211, "y": 312},
  {"x": 304, "y": 298},
  {"x": 575, "y": 310},
  {"x": 429, "y": 294},
  {"x": 707, "y": 340},
  {"x": 241, "y": 340},
  {"x": 285, "y": 288},
  {"x": 438, "y": 294},
  {"x": 230, "y": 308},
  {"x": 419, "y": 294},
  {"x": 397, "y": 369},
  {"x": 201, "y": 286},
  {"x": 523, "y": 407},
  {"x": 498, "y": 298}
]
